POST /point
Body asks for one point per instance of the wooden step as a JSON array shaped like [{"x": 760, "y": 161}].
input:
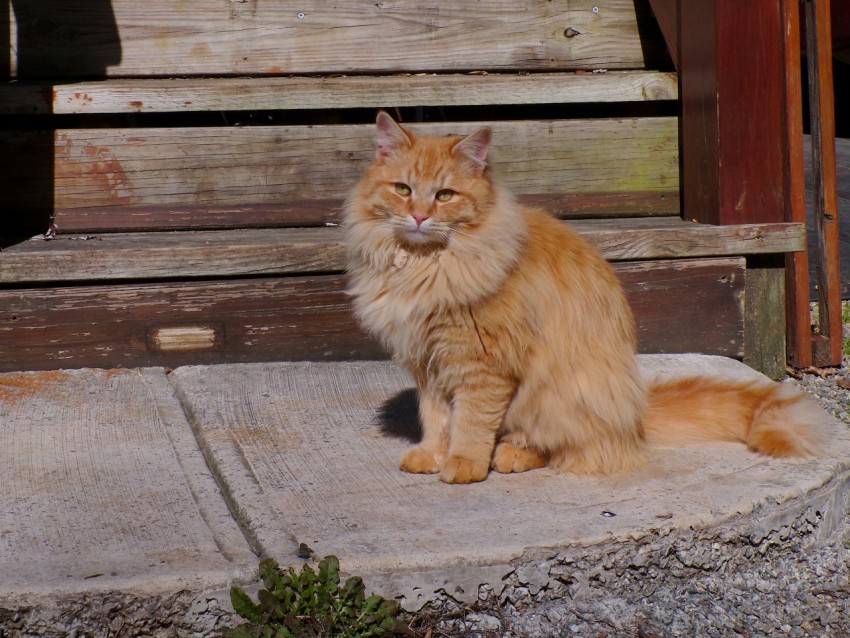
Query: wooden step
[
  {"x": 324, "y": 212},
  {"x": 117, "y": 170},
  {"x": 172, "y": 323},
  {"x": 164, "y": 38},
  {"x": 343, "y": 92},
  {"x": 291, "y": 251}
]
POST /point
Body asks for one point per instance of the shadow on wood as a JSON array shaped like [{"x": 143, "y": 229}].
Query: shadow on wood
[{"x": 54, "y": 38}]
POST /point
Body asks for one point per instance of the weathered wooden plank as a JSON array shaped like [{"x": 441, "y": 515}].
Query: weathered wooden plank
[
  {"x": 764, "y": 315},
  {"x": 229, "y": 94},
  {"x": 798, "y": 314},
  {"x": 121, "y": 38},
  {"x": 819, "y": 49},
  {"x": 256, "y": 252},
  {"x": 169, "y": 324},
  {"x": 269, "y": 164},
  {"x": 175, "y": 255},
  {"x": 669, "y": 238},
  {"x": 309, "y": 318},
  {"x": 318, "y": 212},
  {"x": 687, "y": 306}
]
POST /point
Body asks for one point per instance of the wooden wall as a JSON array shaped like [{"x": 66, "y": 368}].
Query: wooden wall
[
  {"x": 167, "y": 178},
  {"x": 165, "y": 38}
]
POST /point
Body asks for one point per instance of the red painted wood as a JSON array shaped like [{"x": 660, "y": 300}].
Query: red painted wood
[
  {"x": 798, "y": 315},
  {"x": 822, "y": 106},
  {"x": 732, "y": 73}
]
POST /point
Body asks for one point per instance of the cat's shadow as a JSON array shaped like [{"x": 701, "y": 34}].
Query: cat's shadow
[{"x": 399, "y": 416}]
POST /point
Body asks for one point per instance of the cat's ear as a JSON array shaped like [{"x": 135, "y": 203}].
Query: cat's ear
[
  {"x": 473, "y": 150},
  {"x": 391, "y": 137}
]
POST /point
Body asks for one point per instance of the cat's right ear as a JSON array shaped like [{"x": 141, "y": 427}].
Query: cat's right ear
[{"x": 391, "y": 137}]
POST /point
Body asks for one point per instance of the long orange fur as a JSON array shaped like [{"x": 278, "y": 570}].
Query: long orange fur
[{"x": 517, "y": 331}]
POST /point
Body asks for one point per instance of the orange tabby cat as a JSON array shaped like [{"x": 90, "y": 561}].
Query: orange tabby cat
[{"x": 517, "y": 331}]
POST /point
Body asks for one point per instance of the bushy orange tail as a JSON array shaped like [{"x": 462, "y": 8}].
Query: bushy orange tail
[{"x": 770, "y": 418}]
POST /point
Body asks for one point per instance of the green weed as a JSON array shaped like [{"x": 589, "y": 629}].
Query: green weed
[{"x": 313, "y": 605}]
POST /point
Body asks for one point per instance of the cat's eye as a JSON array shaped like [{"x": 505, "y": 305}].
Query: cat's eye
[
  {"x": 403, "y": 189},
  {"x": 445, "y": 195}
]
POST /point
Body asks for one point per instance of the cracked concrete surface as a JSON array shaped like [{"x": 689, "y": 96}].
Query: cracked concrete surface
[{"x": 140, "y": 496}]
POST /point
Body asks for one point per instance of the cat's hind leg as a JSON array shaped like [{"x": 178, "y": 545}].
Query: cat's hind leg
[
  {"x": 588, "y": 425},
  {"x": 512, "y": 455},
  {"x": 428, "y": 455}
]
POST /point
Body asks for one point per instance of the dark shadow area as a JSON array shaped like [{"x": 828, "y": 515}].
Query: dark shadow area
[
  {"x": 57, "y": 41},
  {"x": 841, "y": 95},
  {"x": 399, "y": 416},
  {"x": 656, "y": 57}
]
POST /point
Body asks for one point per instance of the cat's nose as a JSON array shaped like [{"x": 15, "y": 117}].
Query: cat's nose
[{"x": 419, "y": 219}]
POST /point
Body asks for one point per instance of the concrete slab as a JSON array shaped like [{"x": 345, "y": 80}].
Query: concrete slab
[
  {"x": 103, "y": 489},
  {"x": 307, "y": 453}
]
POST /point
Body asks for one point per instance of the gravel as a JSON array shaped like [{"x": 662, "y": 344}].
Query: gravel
[{"x": 795, "y": 585}]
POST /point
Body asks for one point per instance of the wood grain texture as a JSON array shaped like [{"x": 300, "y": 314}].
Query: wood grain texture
[
  {"x": 66, "y": 38},
  {"x": 319, "y": 212},
  {"x": 798, "y": 315},
  {"x": 687, "y": 306},
  {"x": 265, "y": 165},
  {"x": 229, "y": 94},
  {"x": 822, "y": 107},
  {"x": 121, "y": 326},
  {"x": 764, "y": 312},
  {"x": 308, "y": 318},
  {"x": 259, "y": 252}
]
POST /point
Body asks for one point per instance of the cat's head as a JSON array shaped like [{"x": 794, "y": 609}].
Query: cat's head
[{"x": 424, "y": 189}]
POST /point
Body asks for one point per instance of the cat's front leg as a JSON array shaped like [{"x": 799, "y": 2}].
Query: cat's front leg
[
  {"x": 427, "y": 457},
  {"x": 478, "y": 412}
]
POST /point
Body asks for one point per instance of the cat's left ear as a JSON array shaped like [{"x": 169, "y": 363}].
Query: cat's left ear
[{"x": 473, "y": 149}]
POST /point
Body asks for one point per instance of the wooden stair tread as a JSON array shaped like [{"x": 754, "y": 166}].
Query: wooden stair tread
[
  {"x": 141, "y": 95},
  {"x": 265, "y": 252}
]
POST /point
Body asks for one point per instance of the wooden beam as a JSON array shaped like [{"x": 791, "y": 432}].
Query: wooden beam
[
  {"x": 246, "y": 94},
  {"x": 829, "y": 340},
  {"x": 231, "y": 166},
  {"x": 164, "y": 38},
  {"x": 764, "y": 315},
  {"x": 309, "y": 318},
  {"x": 732, "y": 87},
  {"x": 711, "y": 322},
  {"x": 798, "y": 314},
  {"x": 319, "y": 212},
  {"x": 262, "y": 252}
]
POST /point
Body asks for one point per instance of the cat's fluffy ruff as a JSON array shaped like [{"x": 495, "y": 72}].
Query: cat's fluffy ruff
[{"x": 517, "y": 331}]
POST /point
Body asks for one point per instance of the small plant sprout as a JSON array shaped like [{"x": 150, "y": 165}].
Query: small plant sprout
[{"x": 313, "y": 605}]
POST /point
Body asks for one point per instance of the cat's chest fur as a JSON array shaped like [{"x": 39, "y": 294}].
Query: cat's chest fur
[{"x": 411, "y": 303}]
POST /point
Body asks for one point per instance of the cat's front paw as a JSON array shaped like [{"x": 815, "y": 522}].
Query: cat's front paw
[
  {"x": 457, "y": 469},
  {"x": 418, "y": 460}
]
